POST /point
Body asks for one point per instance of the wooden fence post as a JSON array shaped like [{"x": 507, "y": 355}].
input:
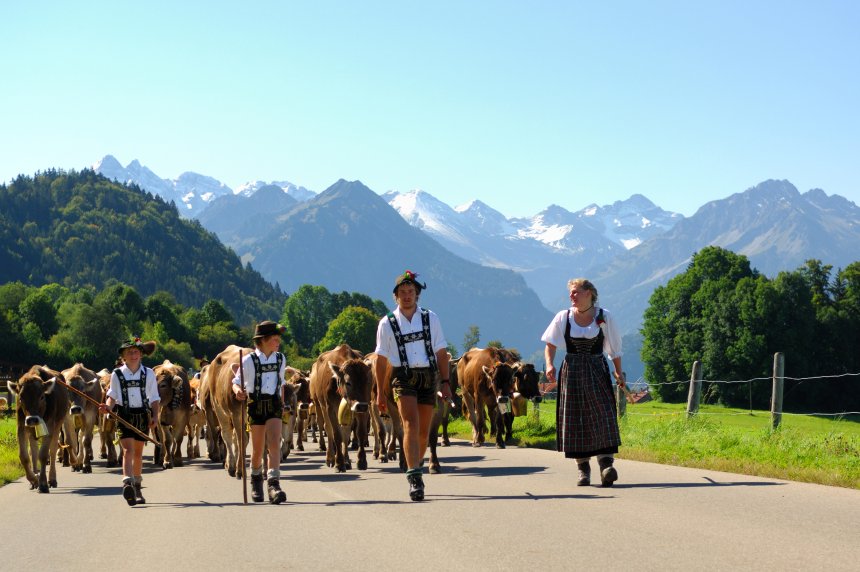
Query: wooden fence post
[
  {"x": 695, "y": 394},
  {"x": 778, "y": 381}
]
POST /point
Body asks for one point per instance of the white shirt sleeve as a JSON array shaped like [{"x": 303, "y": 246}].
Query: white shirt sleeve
[
  {"x": 385, "y": 344},
  {"x": 554, "y": 333},
  {"x": 611, "y": 337},
  {"x": 248, "y": 371},
  {"x": 114, "y": 390},
  {"x": 436, "y": 335}
]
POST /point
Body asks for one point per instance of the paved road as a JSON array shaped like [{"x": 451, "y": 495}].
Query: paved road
[{"x": 491, "y": 510}]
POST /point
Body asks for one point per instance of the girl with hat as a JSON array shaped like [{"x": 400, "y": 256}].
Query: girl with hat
[
  {"x": 263, "y": 375},
  {"x": 133, "y": 395}
]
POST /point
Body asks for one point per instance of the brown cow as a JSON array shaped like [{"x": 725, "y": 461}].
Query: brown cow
[
  {"x": 196, "y": 419},
  {"x": 290, "y": 414},
  {"x": 107, "y": 425},
  {"x": 301, "y": 381},
  {"x": 216, "y": 448},
  {"x": 42, "y": 406},
  {"x": 336, "y": 375},
  {"x": 486, "y": 381},
  {"x": 218, "y": 379},
  {"x": 85, "y": 414},
  {"x": 174, "y": 389},
  {"x": 525, "y": 386}
]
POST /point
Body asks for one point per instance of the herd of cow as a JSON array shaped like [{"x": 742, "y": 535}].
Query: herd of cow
[{"x": 337, "y": 396}]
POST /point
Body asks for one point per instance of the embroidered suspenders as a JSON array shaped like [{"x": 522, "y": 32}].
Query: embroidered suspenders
[
  {"x": 403, "y": 339},
  {"x": 260, "y": 369},
  {"x": 140, "y": 383}
]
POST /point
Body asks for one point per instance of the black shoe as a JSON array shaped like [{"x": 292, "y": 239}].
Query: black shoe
[
  {"x": 608, "y": 474},
  {"x": 276, "y": 495},
  {"x": 416, "y": 486},
  {"x": 257, "y": 488},
  {"x": 128, "y": 494},
  {"x": 138, "y": 495},
  {"x": 584, "y": 474}
]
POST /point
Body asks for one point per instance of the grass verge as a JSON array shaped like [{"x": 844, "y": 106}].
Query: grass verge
[{"x": 808, "y": 449}]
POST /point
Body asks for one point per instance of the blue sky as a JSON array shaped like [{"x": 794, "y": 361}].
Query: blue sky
[{"x": 518, "y": 104}]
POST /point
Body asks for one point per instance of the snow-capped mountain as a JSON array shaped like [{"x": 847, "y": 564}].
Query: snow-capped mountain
[
  {"x": 191, "y": 192},
  {"x": 545, "y": 247}
]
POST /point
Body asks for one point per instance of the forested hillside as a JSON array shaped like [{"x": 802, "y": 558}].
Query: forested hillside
[{"x": 79, "y": 229}]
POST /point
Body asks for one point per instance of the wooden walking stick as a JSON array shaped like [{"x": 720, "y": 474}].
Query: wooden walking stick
[
  {"x": 242, "y": 434},
  {"x": 115, "y": 416}
]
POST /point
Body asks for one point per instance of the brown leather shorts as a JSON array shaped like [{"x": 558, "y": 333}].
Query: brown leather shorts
[{"x": 420, "y": 382}]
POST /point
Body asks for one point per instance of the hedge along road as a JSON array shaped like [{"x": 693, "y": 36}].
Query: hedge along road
[{"x": 490, "y": 509}]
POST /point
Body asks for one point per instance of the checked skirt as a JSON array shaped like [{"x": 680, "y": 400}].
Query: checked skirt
[{"x": 586, "y": 421}]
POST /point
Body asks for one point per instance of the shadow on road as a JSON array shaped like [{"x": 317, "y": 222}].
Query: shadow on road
[
  {"x": 456, "y": 471},
  {"x": 707, "y": 482}
]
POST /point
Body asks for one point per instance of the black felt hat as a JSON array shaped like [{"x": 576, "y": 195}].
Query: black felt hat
[
  {"x": 146, "y": 348},
  {"x": 268, "y": 328},
  {"x": 408, "y": 277}
]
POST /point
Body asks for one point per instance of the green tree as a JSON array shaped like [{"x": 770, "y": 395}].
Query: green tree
[
  {"x": 307, "y": 314},
  {"x": 472, "y": 338},
  {"x": 355, "y": 326},
  {"x": 38, "y": 309}
]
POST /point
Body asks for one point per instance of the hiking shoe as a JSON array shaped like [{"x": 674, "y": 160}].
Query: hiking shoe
[
  {"x": 257, "y": 488},
  {"x": 416, "y": 486},
  {"x": 128, "y": 494},
  {"x": 138, "y": 495},
  {"x": 276, "y": 495},
  {"x": 608, "y": 474},
  {"x": 584, "y": 474}
]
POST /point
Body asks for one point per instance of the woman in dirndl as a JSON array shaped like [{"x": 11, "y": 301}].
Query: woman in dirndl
[{"x": 586, "y": 418}]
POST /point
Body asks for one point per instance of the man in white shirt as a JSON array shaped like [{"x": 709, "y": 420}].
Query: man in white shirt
[{"x": 410, "y": 338}]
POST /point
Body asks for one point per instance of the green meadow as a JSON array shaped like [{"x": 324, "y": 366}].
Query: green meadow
[{"x": 820, "y": 450}]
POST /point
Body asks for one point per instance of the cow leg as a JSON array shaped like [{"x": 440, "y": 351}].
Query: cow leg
[
  {"x": 301, "y": 434},
  {"x": 286, "y": 438},
  {"x": 230, "y": 437},
  {"x": 446, "y": 413},
  {"x": 178, "y": 435},
  {"x": 500, "y": 428},
  {"x": 361, "y": 420},
  {"x": 343, "y": 460},
  {"x": 431, "y": 442},
  {"x": 509, "y": 426},
  {"x": 27, "y": 454},
  {"x": 469, "y": 402}
]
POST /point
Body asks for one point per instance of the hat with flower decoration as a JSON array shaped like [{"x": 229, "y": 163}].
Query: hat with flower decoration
[
  {"x": 146, "y": 348},
  {"x": 408, "y": 277}
]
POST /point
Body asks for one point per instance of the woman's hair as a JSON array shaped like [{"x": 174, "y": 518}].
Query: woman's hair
[{"x": 583, "y": 283}]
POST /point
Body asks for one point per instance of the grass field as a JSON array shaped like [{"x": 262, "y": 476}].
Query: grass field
[{"x": 809, "y": 449}]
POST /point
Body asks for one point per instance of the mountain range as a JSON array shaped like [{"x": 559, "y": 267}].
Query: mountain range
[{"x": 627, "y": 248}]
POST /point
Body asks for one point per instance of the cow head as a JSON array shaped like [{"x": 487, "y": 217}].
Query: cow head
[
  {"x": 301, "y": 381},
  {"x": 169, "y": 386},
  {"x": 353, "y": 380},
  {"x": 500, "y": 380},
  {"x": 32, "y": 393},
  {"x": 526, "y": 381},
  {"x": 77, "y": 402}
]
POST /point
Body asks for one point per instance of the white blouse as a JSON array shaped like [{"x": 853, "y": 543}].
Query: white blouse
[{"x": 554, "y": 333}]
